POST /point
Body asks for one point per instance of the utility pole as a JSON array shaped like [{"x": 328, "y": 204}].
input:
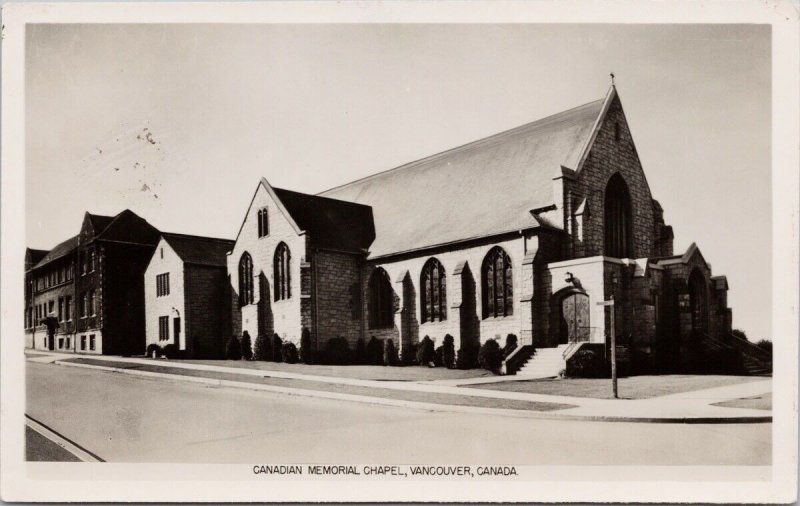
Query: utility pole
[{"x": 613, "y": 353}]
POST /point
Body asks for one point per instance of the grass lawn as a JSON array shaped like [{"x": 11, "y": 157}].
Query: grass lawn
[
  {"x": 366, "y": 372},
  {"x": 635, "y": 387},
  {"x": 435, "y": 398},
  {"x": 763, "y": 401}
]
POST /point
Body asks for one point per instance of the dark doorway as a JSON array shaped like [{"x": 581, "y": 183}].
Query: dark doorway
[
  {"x": 176, "y": 325},
  {"x": 574, "y": 318}
]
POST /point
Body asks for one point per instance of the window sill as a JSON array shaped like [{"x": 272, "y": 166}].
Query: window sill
[
  {"x": 497, "y": 318},
  {"x": 432, "y": 323}
]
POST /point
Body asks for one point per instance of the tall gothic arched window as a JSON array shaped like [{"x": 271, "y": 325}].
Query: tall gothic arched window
[
  {"x": 282, "y": 275},
  {"x": 381, "y": 300},
  {"x": 433, "y": 287},
  {"x": 497, "y": 284},
  {"x": 698, "y": 302},
  {"x": 618, "y": 220},
  {"x": 245, "y": 279}
]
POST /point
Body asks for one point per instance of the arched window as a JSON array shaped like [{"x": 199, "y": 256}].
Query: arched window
[
  {"x": 381, "y": 300},
  {"x": 281, "y": 272},
  {"x": 497, "y": 284},
  {"x": 698, "y": 303},
  {"x": 433, "y": 287},
  {"x": 245, "y": 279},
  {"x": 263, "y": 223},
  {"x": 617, "y": 224}
]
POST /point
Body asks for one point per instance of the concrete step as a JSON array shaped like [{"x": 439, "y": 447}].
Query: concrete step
[{"x": 546, "y": 363}]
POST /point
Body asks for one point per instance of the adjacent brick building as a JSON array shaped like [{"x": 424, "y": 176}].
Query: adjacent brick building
[
  {"x": 86, "y": 295},
  {"x": 187, "y": 301},
  {"x": 520, "y": 233}
]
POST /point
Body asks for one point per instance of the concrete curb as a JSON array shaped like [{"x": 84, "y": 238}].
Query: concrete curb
[{"x": 423, "y": 406}]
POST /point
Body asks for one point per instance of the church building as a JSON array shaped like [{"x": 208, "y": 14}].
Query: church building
[{"x": 520, "y": 233}]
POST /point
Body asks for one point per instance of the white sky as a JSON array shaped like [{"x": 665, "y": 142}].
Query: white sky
[{"x": 313, "y": 106}]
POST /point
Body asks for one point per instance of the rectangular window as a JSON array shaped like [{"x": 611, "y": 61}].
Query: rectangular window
[
  {"x": 162, "y": 285},
  {"x": 92, "y": 305},
  {"x": 84, "y": 304},
  {"x": 61, "y": 309},
  {"x": 263, "y": 223},
  {"x": 83, "y": 342},
  {"x": 69, "y": 273},
  {"x": 50, "y": 307},
  {"x": 91, "y": 260},
  {"x": 68, "y": 309},
  {"x": 60, "y": 343},
  {"x": 91, "y": 342},
  {"x": 163, "y": 328},
  {"x": 69, "y": 342}
]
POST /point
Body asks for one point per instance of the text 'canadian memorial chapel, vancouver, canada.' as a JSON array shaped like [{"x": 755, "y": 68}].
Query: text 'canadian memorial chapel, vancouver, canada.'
[{"x": 521, "y": 233}]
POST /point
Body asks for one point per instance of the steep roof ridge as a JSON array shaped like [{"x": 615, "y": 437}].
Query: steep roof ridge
[
  {"x": 59, "y": 250},
  {"x": 196, "y": 237},
  {"x": 318, "y": 196},
  {"x": 521, "y": 129}
]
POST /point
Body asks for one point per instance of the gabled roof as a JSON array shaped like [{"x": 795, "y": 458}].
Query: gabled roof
[
  {"x": 477, "y": 190},
  {"x": 35, "y": 255},
  {"x": 99, "y": 222},
  {"x": 199, "y": 250},
  {"x": 60, "y": 250},
  {"x": 331, "y": 223},
  {"x": 129, "y": 227}
]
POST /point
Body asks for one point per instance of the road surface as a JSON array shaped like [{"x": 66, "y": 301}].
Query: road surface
[{"x": 123, "y": 418}]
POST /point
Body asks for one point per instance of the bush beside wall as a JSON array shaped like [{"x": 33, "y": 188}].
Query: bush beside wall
[{"x": 490, "y": 357}]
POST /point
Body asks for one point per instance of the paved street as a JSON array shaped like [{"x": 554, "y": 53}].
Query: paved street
[{"x": 124, "y": 418}]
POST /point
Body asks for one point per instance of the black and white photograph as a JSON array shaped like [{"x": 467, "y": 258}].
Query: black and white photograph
[{"x": 412, "y": 252}]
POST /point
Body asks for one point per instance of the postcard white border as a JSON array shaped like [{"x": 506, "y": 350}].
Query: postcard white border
[{"x": 199, "y": 483}]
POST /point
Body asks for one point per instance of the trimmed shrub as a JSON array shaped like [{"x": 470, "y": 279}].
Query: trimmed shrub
[
  {"x": 586, "y": 364},
  {"x": 247, "y": 346},
  {"x": 449, "y": 352},
  {"x": 426, "y": 355},
  {"x": 171, "y": 351},
  {"x": 491, "y": 356},
  {"x": 233, "y": 351},
  {"x": 765, "y": 345},
  {"x": 289, "y": 353},
  {"x": 360, "y": 357},
  {"x": 263, "y": 348},
  {"x": 410, "y": 354},
  {"x": 306, "y": 351},
  {"x": 438, "y": 356},
  {"x": 338, "y": 352},
  {"x": 467, "y": 357},
  {"x": 511, "y": 345},
  {"x": 390, "y": 353},
  {"x": 374, "y": 352},
  {"x": 153, "y": 351},
  {"x": 277, "y": 346}
]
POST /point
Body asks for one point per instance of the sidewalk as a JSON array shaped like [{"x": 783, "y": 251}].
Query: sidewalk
[{"x": 687, "y": 407}]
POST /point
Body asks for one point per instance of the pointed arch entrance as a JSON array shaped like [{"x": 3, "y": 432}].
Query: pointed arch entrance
[
  {"x": 698, "y": 303},
  {"x": 572, "y": 307}
]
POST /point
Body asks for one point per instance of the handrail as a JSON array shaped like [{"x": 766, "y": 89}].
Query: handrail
[
  {"x": 744, "y": 344},
  {"x": 504, "y": 365}
]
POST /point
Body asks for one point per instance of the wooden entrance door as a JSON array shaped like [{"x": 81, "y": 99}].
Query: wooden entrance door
[{"x": 574, "y": 318}]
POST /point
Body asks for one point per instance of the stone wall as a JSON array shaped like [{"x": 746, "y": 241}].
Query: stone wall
[
  {"x": 613, "y": 152},
  {"x": 164, "y": 261},
  {"x": 338, "y": 296},
  {"x": 282, "y": 317},
  {"x": 205, "y": 331},
  {"x": 462, "y": 266}
]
